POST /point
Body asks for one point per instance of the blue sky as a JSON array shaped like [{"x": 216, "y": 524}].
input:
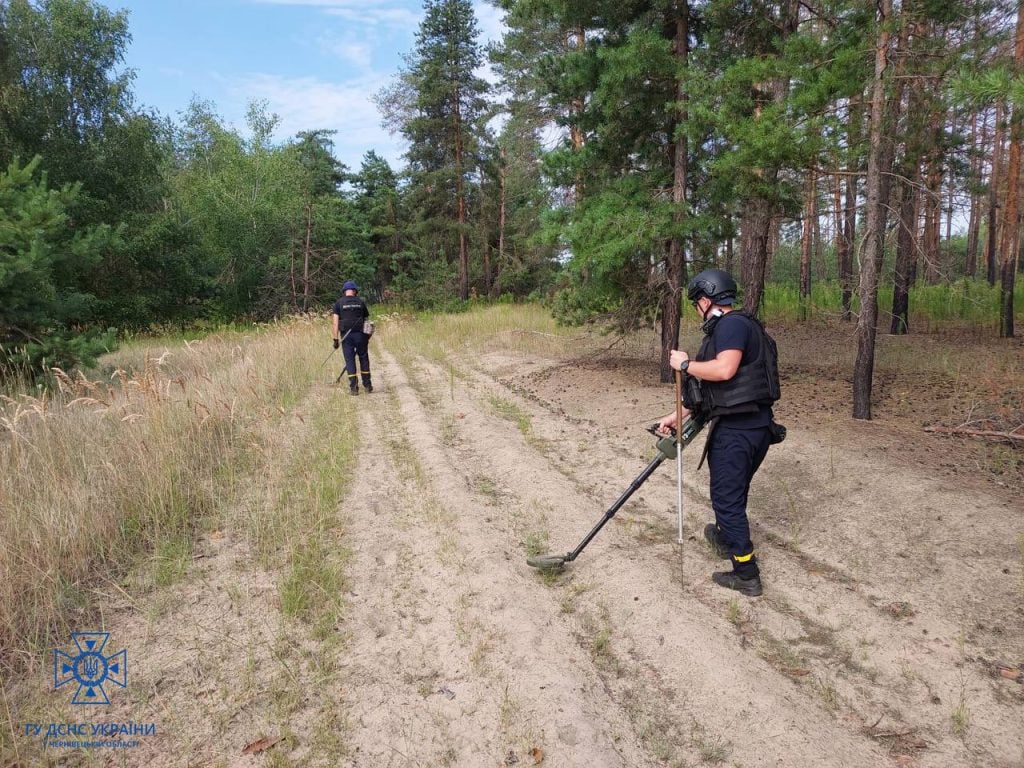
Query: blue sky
[{"x": 317, "y": 62}]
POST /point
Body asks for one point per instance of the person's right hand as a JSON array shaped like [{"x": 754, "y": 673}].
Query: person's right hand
[
  {"x": 336, "y": 343},
  {"x": 668, "y": 423}
]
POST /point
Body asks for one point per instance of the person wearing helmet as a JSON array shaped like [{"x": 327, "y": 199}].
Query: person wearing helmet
[
  {"x": 736, "y": 370},
  {"x": 349, "y": 314}
]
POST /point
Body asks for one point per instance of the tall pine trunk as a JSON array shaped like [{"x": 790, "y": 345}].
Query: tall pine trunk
[
  {"x": 993, "y": 196},
  {"x": 675, "y": 267},
  {"x": 1010, "y": 247},
  {"x": 876, "y": 190},
  {"x": 845, "y": 254},
  {"x": 932, "y": 219},
  {"x": 755, "y": 242},
  {"x": 906, "y": 245},
  {"x": 502, "y": 203},
  {"x": 806, "y": 243},
  {"x": 306, "y": 254},
  {"x": 460, "y": 199},
  {"x": 974, "y": 219}
]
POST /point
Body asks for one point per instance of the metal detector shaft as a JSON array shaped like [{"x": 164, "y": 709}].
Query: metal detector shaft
[
  {"x": 679, "y": 453},
  {"x": 640, "y": 480}
]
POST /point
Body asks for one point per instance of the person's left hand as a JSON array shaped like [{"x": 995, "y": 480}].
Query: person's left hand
[{"x": 676, "y": 358}]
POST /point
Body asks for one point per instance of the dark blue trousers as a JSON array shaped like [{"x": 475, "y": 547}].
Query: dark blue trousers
[
  {"x": 356, "y": 344},
  {"x": 733, "y": 457}
]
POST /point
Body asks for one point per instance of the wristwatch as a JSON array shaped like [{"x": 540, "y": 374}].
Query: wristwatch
[{"x": 684, "y": 365}]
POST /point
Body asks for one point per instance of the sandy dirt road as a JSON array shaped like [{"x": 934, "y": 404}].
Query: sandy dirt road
[
  {"x": 889, "y": 633},
  {"x": 462, "y": 655}
]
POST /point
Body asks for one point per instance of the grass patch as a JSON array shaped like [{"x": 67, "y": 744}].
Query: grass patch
[
  {"x": 526, "y": 329},
  {"x": 536, "y": 543},
  {"x": 303, "y": 523},
  {"x": 512, "y": 412},
  {"x": 127, "y": 463},
  {"x": 959, "y": 305},
  {"x": 733, "y": 613},
  {"x": 171, "y": 560},
  {"x": 780, "y": 654},
  {"x": 960, "y": 719}
]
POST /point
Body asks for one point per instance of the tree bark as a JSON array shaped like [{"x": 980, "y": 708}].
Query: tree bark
[
  {"x": 502, "y": 202},
  {"x": 485, "y": 244},
  {"x": 576, "y": 40},
  {"x": 759, "y": 228},
  {"x": 306, "y": 252},
  {"x": 806, "y": 243},
  {"x": 993, "y": 196},
  {"x": 1010, "y": 247},
  {"x": 460, "y": 198},
  {"x": 845, "y": 254},
  {"x": 675, "y": 267},
  {"x": 974, "y": 219},
  {"x": 932, "y": 218},
  {"x": 756, "y": 236},
  {"x": 879, "y": 166},
  {"x": 906, "y": 245}
]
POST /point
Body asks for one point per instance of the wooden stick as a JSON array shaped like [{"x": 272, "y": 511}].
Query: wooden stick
[{"x": 988, "y": 434}]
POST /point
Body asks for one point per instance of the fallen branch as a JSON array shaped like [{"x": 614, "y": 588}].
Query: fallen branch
[{"x": 986, "y": 434}]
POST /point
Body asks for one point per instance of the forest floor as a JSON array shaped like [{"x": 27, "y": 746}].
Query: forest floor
[{"x": 891, "y": 630}]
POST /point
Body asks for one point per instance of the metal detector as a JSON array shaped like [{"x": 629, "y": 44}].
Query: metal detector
[
  {"x": 340, "y": 342},
  {"x": 669, "y": 447}
]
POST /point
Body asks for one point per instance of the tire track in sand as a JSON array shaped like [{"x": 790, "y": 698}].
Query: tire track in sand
[
  {"x": 452, "y": 658},
  {"x": 677, "y": 673},
  {"x": 863, "y": 663}
]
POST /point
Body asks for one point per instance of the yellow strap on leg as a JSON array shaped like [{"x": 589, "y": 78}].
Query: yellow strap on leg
[{"x": 743, "y": 558}]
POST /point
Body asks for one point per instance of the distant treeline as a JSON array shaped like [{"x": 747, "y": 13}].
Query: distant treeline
[{"x": 625, "y": 145}]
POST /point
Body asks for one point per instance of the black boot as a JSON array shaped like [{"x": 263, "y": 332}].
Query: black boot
[
  {"x": 749, "y": 586},
  {"x": 367, "y": 385},
  {"x": 353, "y": 390},
  {"x": 714, "y": 540}
]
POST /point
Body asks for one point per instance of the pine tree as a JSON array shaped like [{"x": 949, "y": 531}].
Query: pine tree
[{"x": 442, "y": 122}]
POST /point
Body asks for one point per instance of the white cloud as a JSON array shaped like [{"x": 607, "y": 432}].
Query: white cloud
[
  {"x": 376, "y": 16},
  {"x": 491, "y": 21},
  {"x": 307, "y": 103},
  {"x": 358, "y": 53},
  {"x": 400, "y": 15}
]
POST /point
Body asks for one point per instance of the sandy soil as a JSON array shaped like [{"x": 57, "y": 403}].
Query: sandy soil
[
  {"x": 886, "y": 620},
  {"x": 890, "y": 632}
]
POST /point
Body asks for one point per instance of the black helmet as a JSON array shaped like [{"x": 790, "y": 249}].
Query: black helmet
[{"x": 716, "y": 284}]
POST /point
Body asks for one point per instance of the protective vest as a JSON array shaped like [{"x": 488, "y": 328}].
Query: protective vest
[
  {"x": 756, "y": 382},
  {"x": 351, "y": 311}
]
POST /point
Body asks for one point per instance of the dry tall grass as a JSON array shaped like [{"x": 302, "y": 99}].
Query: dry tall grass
[
  {"x": 526, "y": 328},
  {"x": 100, "y": 471}
]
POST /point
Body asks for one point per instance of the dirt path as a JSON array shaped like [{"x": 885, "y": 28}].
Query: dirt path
[
  {"x": 849, "y": 660},
  {"x": 889, "y": 610}
]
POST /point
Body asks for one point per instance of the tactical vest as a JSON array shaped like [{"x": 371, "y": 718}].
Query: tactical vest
[
  {"x": 351, "y": 311},
  {"x": 756, "y": 382}
]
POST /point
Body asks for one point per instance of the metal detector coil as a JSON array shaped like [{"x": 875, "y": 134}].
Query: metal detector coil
[{"x": 666, "y": 446}]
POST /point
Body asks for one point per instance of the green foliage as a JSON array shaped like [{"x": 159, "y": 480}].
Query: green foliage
[
  {"x": 275, "y": 232},
  {"x": 963, "y": 304},
  {"x": 42, "y": 258}
]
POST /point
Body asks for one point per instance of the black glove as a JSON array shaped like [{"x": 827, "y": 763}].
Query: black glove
[{"x": 336, "y": 343}]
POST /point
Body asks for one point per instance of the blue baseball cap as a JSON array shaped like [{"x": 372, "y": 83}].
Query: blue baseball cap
[{"x": 350, "y": 285}]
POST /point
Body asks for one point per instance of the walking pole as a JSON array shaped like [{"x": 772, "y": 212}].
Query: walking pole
[{"x": 679, "y": 467}]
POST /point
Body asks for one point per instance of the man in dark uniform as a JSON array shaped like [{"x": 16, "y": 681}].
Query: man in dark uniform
[
  {"x": 737, "y": 372},
  {"x": 350, "y": 312}
]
